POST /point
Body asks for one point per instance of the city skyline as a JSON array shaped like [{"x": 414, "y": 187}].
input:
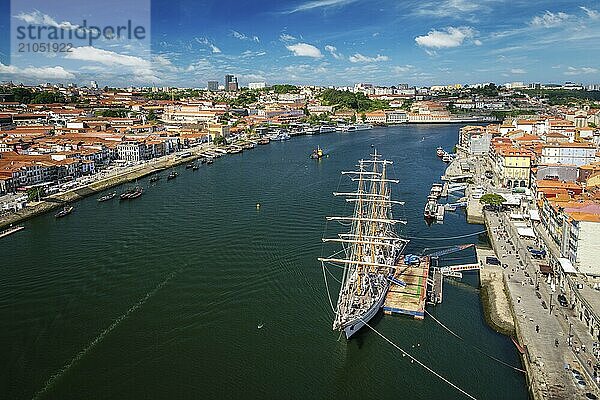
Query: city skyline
[{"x": 332, "y": 42}]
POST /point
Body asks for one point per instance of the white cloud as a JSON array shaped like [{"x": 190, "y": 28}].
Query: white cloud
[
  {"x": 581, "y": 70},
  {"x": 41, "y": 73},
  {"x": 402, "y": 69},
  {"x": 311, "y": 5},
  {"x": 304, "y": 50},
  {"x": 208, "y": 43},
  {"x": 452, "y": 37},
  {"x": 284, "y": 37},
  {"x": 241, "y": 36},
  {"x": 518, "y": 71},
  {"x": 250, "y": 53},
  {"x": 89, "y": 53},
  {"x": 593, "y": 14},
  {"x": 38, "y": 18},
  {"x": 357, "y": 58},
  {"x": 135, "y": 68},
  {"x": 549, "y": 19},
  {"x": 449, "y": 8},
  {"x": 334, "y": 52}
]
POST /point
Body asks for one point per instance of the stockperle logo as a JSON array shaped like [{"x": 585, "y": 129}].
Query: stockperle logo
[{"x": 79, "y": 40}]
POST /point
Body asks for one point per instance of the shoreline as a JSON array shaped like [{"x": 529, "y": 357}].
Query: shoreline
[{"x": 58, "y": 200}]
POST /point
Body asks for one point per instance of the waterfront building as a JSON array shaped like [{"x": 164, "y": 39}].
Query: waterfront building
[
  {"x": 512, "y": 165},
  {"x": 568, "y": 153},
  {"x": 395, "y": 117},
  {"x": 131, "y": 150},
  {"x": 375, "y": 117},
  {"x": 476, "y": 140},
  {"x": 218, "y": 130}
]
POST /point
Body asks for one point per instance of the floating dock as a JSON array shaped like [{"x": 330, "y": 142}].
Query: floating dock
[{"x": 408, "y": 299}]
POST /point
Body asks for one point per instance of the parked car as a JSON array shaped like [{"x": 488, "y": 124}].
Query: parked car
[
  {"x": 562, "y": 300},
  {"x": 492, "y": 261}
]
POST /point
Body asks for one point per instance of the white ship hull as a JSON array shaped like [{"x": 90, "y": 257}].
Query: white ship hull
[{"x": 354, "y": 326}]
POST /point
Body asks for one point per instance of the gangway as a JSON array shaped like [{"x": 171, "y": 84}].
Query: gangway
[
  {"x": 455, "y": 187},
  {"x": 455, "y": 271},
  {"x": 457, "y": 178}
]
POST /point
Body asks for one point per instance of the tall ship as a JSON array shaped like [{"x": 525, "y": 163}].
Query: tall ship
[{"x": 370, "y": 249}]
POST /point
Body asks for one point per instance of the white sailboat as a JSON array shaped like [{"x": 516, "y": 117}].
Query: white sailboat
[{"x": 371, "y": 248}]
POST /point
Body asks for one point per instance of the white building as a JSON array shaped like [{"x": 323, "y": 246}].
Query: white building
[
  {"x": 396, "y": 117},
  {"x": 257, "y": 85},
  {"x": 568, "y": 153}
]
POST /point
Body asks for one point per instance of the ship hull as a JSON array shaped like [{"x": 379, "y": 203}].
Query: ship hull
[{"x": 352, "y": 327}]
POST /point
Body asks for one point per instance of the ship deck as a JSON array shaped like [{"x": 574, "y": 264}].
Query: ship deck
[{"x": 409, "y": 299}]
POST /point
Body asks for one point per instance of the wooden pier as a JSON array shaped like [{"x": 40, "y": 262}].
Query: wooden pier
[{"x": 409, "y": 299}]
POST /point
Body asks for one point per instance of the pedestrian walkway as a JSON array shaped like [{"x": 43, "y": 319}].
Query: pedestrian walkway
[{"x": 541, "y": 328}]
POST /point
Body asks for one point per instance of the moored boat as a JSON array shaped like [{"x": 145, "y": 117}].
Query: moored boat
[
  {"x": 317, "y": 153},
  {"x": 440, "y": 152},
  {"x": 172, "y": 175},
  {"x": 10, "y": 230},
  {"x": 154, "y": 178},
  {"x": 107, "y": 197},
  {"x": 64, "y": 212}
]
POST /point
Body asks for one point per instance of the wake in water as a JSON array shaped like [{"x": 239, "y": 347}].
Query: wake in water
[{"x": 58, "y": 374}]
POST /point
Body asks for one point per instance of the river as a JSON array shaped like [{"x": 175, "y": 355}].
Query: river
[{"x": 163, "y": 296}]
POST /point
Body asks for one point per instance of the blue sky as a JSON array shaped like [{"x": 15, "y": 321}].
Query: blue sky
[{"x": 326, "y": 42}]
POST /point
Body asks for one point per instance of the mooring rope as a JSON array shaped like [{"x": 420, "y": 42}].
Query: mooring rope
[
  {"x": 419, "y": 362},
  {"x": 475, "y": 347}
]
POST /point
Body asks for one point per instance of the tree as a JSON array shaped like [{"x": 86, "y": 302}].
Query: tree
[
  {"x": 220, "y": 141},
  {"x": 492, "y": 199},
  {"x": 152, "y": 116},
  {"x": 36, "y": 193}
]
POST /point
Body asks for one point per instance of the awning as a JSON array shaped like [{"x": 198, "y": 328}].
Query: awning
[
  {"x": 567, "y": 266},
  {"x": 534, "y": 215},
  {"x": 511, "y": 200},
  {"x": 526, "y": 232}
]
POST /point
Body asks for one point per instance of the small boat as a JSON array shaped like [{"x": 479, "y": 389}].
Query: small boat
[
  {"x": 172, "y": 175},
  {"x": 189, "y": 166},
  {"x": 132, "y": 193},
  {"x": 440, "y": 152},
  {"x": 264, "y": 140},
  {"x": 447, "y": 158},
  {"x": 10, "y": 230},
  {"x": 431, "y": 208},
  {"x": 203, "y": 160},
  {"x": 317, "y": 153},
  {"x": 127, "y": 194},
  {"x": 436, "y": 190},
  {"x": 210, "y": 161},
  {"x": 138, "y": 192},
  {"x": 107, "y": 197},
  {"x": 195, "y": 167},
  {"x": 154, "y": 178},
  {"x": 64, "y": 212}
]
